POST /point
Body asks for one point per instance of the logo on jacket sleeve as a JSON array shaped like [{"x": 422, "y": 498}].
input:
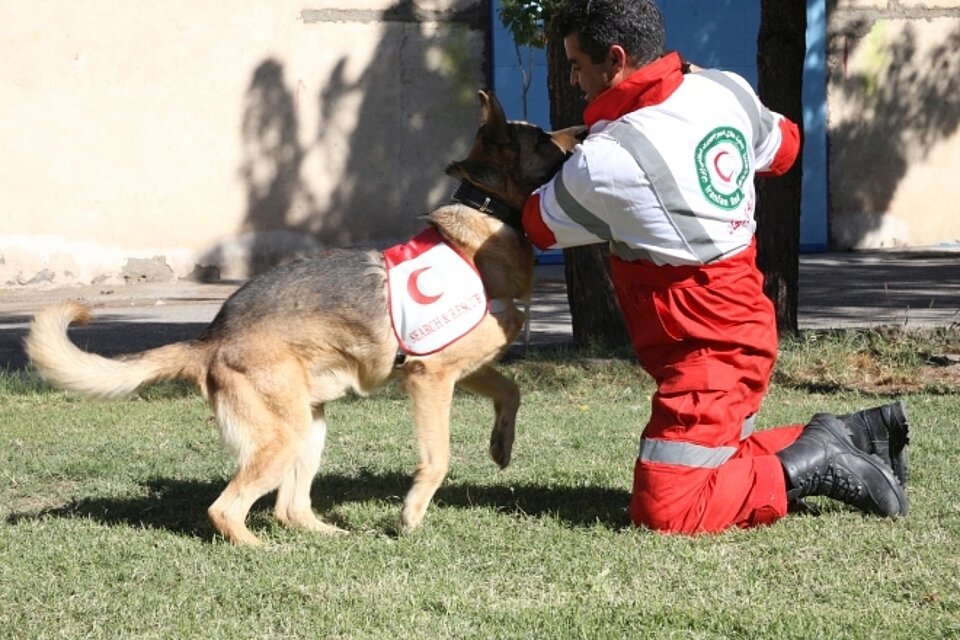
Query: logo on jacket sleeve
[{"x": 722, "y": 167}]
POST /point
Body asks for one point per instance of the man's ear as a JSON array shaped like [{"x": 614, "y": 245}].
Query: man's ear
[{"x": 618, "y": 58}]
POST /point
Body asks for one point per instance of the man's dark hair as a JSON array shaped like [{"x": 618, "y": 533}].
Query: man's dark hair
[{"x": 635, "y": 25}]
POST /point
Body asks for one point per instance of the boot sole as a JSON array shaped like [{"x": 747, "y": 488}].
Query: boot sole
[{"x": 899, "y": 458}]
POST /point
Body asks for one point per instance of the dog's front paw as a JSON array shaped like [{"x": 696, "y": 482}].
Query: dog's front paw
[
  {"x": 409, "y": 521},
  {"x": 501, "y": 450},
  {"x": 501, "y": 443}
]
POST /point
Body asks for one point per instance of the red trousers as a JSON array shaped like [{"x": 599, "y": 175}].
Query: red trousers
[{"x": 708, "y": 337}]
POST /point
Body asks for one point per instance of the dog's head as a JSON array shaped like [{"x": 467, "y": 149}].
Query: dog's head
[{"x": 512, "y": 158}]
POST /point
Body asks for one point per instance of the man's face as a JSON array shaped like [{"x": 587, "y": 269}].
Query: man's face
[{"x": 593, "y": 78}]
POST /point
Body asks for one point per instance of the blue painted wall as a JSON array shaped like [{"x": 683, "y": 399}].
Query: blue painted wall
[
  {"x": 716, "y": 33},
  {"x": 720, "y": 34},
  {"x": 508, "y": 77}
]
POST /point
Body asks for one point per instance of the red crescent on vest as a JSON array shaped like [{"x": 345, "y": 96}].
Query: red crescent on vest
[
  {"x": 716, "y": 165},
  {"x": 415, "y": 294}
]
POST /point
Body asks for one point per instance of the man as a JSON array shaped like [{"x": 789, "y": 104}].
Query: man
[{"x": 665, "y": 175}]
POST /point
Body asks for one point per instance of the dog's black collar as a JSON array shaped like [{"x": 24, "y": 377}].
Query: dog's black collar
[{"x": 478, "y": 199}]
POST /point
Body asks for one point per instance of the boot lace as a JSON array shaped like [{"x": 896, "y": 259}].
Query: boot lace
[{"x": 832, "y": 484}]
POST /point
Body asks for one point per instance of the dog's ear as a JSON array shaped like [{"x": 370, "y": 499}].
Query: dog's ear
[{"x": 492, "y": 119}]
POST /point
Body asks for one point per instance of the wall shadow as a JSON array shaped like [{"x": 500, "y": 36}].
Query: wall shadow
[
  {"x": 389, "y": 170},
  {"x": 907, "y": 107},
  {"x": 271, "y": 148}
]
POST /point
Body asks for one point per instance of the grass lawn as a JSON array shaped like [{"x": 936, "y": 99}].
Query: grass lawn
[{"x": 104, "y": 534}]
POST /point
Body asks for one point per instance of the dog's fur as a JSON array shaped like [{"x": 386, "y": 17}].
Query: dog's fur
[{"x": 305, "y": 333}]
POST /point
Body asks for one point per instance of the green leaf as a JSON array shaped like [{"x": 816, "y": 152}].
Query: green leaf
[{"x": 527, "y": 20}]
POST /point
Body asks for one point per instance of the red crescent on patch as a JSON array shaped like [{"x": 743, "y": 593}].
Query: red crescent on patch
[
  {"x": 415, "y": 294},
  {"x": 716, "y": 165}
]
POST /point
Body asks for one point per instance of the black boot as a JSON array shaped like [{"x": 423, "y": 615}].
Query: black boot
[
  {"x": 824, "y": 462},
  {"x": 883, "y": 431}
]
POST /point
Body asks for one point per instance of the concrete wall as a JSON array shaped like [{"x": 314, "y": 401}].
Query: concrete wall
[
  {"x": 151, "y": 140},
  {"x": 893, "y": 116}
]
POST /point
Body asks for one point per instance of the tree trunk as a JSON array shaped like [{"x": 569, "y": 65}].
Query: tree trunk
[
  {"x": 781, "y": 48},
  {"x": 594, "y": 311}
]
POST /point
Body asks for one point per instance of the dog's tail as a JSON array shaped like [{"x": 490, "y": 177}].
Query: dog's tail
[{"x": 65, "y": 365}]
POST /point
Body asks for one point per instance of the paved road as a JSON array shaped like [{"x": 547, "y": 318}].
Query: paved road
[{"x": 912, "y": 289}]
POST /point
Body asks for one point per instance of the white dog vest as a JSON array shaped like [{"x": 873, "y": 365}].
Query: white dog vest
[{"x": 436, "y": 294}]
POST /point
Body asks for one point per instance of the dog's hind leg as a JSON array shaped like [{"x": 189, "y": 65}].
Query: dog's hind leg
[
  {"x": 432, "y": 395},
  {"x": 264, "y": 418},
  {"x": 505, "y": 394},
  {"x": 260, "y": 475},
  {"x": 293, "y": 505}
]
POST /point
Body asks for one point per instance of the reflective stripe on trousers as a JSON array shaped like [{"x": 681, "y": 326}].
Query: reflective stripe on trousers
[{"x": 688, "y": 454}]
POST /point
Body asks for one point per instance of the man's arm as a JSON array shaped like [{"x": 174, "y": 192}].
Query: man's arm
[{"x": 782, "y": 147}]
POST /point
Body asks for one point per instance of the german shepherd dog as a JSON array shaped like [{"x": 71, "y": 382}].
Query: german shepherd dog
[{"x": 305, "y": 333}]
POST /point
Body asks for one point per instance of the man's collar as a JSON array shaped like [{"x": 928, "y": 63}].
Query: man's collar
[{"x": 648, "y": 85}]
